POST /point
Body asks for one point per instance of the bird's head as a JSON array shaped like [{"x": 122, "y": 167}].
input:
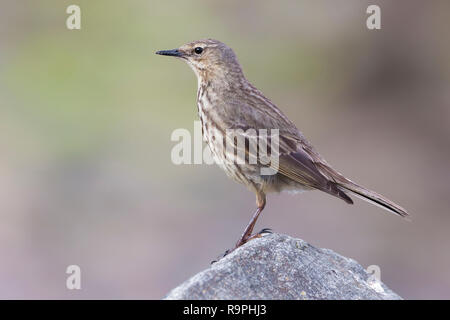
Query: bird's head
[{"x": 208, "y": 58}]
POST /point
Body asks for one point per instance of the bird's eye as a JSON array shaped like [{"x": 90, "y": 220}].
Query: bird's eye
[{"x": 198, "y": 50}]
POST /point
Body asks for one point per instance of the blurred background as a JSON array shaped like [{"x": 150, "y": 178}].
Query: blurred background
[{"x": 86, "y": 118}]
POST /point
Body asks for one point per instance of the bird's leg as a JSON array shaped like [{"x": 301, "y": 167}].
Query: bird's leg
[
  {"x": 261, "y": 203},
  {"x": 247, "y": 235},
  {"x": 249, "y": 229}
]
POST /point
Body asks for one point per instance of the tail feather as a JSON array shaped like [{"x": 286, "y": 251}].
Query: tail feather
[{"x": 372, "y": 197}]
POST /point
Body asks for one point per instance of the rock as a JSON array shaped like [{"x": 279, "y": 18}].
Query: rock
[{"x": 281, "y": 267}]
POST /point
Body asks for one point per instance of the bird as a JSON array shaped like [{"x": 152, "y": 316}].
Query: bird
[{"x": 227, "y": 101}]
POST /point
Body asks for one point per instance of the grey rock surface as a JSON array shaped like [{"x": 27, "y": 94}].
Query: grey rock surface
[{"x": 281, "y": 267}]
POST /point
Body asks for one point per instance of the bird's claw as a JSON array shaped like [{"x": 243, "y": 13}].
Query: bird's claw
[
  {"x": 265, "y": 230},
  {"x": 256, "y": 235},
  {"x": 221, "y": 256}
]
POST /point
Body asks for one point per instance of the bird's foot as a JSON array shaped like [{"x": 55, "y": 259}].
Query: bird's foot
[
  {"x": 264, "y": 232},
  {"x": 259, "y": 234},
  {"x": 244, "y": 241}
]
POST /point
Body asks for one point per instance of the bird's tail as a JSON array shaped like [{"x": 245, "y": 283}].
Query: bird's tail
[{"x": 372, "y": 197}]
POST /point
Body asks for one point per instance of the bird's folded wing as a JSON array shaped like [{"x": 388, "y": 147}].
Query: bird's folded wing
[
  {"x": 299, "y": 167},
  {"x": 299, "y": 144}
]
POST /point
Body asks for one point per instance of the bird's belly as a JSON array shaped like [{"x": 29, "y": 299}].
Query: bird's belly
[
  {"x": 214, "y": 130},
  {"x": 240, "y": 172}
]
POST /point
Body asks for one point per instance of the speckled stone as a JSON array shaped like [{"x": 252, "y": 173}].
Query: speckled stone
[{"x": 280, "y": 267}]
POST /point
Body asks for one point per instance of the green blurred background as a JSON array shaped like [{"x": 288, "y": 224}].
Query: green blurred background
[{"x": 86, "y": 118}]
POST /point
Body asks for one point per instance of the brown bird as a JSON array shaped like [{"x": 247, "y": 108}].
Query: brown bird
[{"x": 227, "y": 101}]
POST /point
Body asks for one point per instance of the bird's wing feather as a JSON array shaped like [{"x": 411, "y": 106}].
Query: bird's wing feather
[
  {"x": 299, "y": 167},
  {"x": 299, "y": 161},
  {"x": 295, "y": 161},
  {"x": 344, "y": 184}
]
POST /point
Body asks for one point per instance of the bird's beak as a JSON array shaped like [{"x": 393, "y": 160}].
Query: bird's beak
[{"x": 173, "y": 53}]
